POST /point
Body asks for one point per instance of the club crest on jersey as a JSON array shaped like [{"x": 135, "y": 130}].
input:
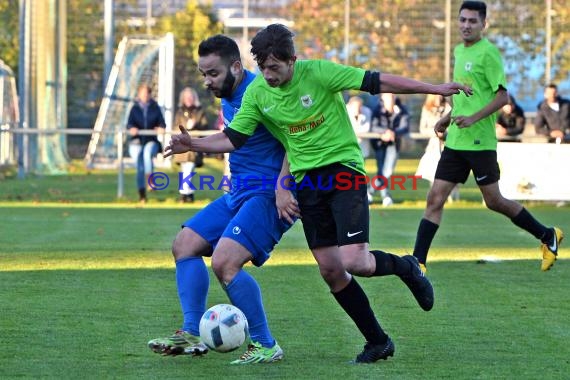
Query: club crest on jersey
[
  {"x": 306, "y": 101},
  {"x": 468, "y": 66}
]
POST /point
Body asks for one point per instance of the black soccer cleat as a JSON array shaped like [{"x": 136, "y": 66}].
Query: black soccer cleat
[
  {"x": 374, "y": 352},
  {"x": 418, "y": 284}
]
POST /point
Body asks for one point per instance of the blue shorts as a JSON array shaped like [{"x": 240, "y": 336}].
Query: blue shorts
[{"x": 254, "y": 224}]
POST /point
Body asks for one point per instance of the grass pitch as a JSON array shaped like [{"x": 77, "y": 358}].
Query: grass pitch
[{"x": 84, "y": 286}]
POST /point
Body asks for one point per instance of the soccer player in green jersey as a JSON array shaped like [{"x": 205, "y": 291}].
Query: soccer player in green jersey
[
  {"x": 301, "y": 104},
  {"x": 471, "y": 143}
]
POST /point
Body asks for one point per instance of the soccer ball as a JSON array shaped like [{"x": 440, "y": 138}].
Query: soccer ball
[{"x": 223, "y": 328}]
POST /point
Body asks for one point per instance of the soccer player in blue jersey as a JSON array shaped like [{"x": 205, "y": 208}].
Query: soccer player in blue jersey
[{"x": 240, "y": 226}]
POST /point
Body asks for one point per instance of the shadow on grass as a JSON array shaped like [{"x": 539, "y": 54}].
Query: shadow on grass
[{"x": 489, "y": 321}]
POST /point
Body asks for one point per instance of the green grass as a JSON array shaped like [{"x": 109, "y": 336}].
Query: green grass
[
  {"x": 85, "y": 283},
  {"x": 100, "y": 186}
]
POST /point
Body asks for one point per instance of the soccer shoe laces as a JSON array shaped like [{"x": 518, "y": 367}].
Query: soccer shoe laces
[{"x": 252, "y": 349}]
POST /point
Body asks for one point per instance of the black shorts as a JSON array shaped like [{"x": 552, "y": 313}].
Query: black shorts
[
  {"x": 454, "y": 166},
  {"x": 334, "y": 206}
]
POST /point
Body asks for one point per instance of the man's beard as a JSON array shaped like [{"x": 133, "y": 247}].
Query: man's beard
[{"x": 228, "y": 85}]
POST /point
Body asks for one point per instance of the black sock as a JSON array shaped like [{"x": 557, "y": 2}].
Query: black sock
[
  {"x": 388, "y": 264},
  {"x": 426, "y": 233},
  {"x": 355, "y": 303},
  {"x": 528, "y": 223}
]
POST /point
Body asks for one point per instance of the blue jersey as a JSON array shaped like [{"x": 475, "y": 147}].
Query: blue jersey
[{"x": 256, "y": 165}]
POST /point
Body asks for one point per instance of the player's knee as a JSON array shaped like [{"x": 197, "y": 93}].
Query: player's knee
[
  {"x": 494, "y": 204},
  {"x": 178, "y": 249},
  {"x": 336, "y": 279},
  {"x": 435, "y": 202},
  {"x": 182, "y": 246},
  {"x": 224, "y": 269},
  {"x": 331, "y": 275},
  {"x": 188, "y": 243},
  {"x": 218, "y": 268},
  {"x": 358, "y": 263}
]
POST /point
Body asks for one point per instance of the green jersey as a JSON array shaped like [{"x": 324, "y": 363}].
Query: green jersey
[
  {"x": 307, "y": 115},
  {"x": 480, "y": 67}
]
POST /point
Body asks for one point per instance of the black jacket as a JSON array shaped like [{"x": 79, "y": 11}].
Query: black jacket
[
  {"x": 151, "y": 120},
  {"x": 382, "y": 120},
  {"x": 513, "y": 122},
  {"x": 548, "y": 120}
]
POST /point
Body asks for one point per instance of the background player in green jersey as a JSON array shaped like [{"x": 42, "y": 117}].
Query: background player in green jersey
[
  {"x": 301, "y": 104},
  {"x": 471, "y": 142}
]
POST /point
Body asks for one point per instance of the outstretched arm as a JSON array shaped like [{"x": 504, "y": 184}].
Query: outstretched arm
[
  {"x": 402, "y": 85},
  {"x": 182, "y": 143}
]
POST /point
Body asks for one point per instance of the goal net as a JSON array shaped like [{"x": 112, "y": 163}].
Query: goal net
[{"x": 138, "y": 60}]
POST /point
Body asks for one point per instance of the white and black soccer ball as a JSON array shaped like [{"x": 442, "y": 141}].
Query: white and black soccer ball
[{"x": 223, "y": 328}]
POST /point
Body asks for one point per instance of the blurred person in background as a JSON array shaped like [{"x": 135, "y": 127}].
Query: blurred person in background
[
  {"x": 510, "y": 121},
  {"x": 191, "y": 115},
  {"x": 553, "y": 116},
  {"x": 361, "y": 120},
  {"x": 392, "y": 121},
  {"x": 434, "y": 108},
  {"x": 144, "y": 115}
]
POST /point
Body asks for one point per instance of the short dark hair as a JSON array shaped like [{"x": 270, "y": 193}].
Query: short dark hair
[
  {"x": 274, "y": 39},
  {"x": 223, "y": 46},
  {"x": 553, "y": 86},
  {"x": 478, "y": 6}
]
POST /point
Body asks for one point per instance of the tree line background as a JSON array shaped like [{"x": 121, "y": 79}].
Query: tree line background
[{"x": 405, "y": 37}]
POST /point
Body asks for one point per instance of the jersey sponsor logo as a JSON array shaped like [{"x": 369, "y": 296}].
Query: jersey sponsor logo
[
  {"x": 267, "y": 109},
  {"x": 306, "y": 125},
  {"x": 306, "y": 101},
  {"x": 351, "y": 234}
]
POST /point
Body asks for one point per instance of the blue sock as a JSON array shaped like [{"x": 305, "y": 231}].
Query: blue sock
[
  {"x": 192, "y": 281},
  {"x": 244, "y": 292}
]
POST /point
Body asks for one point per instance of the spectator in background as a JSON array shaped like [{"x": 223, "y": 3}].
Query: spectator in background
[
  {"x": 361, "y": 119},
  {"x": 553, "y": 116},
  {"x": 391, "y": 120},
  {"x": 191, "y": 115},
  {"x": 510, "y": 121},
  {"x": 434, "y": 108},
  {"x": 144, "y": 115}
]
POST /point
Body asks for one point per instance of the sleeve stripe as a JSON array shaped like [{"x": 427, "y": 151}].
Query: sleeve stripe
[{"x": 237, "y": 139}]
